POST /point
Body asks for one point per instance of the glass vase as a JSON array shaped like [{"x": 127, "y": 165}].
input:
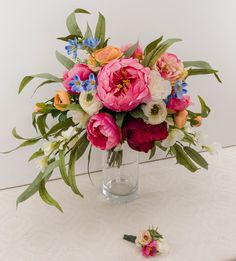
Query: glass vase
[{"x": 120, "y": 174}]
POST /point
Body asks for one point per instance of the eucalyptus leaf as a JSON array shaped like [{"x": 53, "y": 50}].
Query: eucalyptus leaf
[
  {"x": 41, "y": 123},
  {"x": 82, "y": 146},
  {"x": 16, "y": 135},
  {"x": 196, "y": 156},
  {"x": 36, "y": 154},
  {"x": 22, "y": 145},
  {"x": 152, "y": 152},
  {"x": 131, "y": 50},
  {"x": 46, "y": 197},
  {"x": 183, "y": 159},
  {"x": 29, "y": 78},
  {"x": 42, "y": 84},
  {"x": 150, "y": 47},
  {"x": 60, "y": 126},
  {"x": 71, "y": 23},
  {"x": 205, "y": 110},
  {"x": 198, "y": 64},
  {"x": 62, "y": 166},
  {"x": 100, "y": 30},
  {"x": 88, "y": 165},
  {"x": 68, "y": 63},
  {"x": 88, "y": 33},
  {"x": 66, "y": 38}
]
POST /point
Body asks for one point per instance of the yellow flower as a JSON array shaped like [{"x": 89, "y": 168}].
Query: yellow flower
[
  {"x": 61, "y": 98},
  {"x": 104, "y": 56}
]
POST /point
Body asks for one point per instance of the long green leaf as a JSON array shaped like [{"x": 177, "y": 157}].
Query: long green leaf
[
  {"x": 68, "y": 63},
  {"x": 120, "y": 118},
  {"x": 131, "y": 50},
  {"x": 71, "y": 172},
  {"x": 62, "y": 166},
  {"x": 42, "y": 84},
  {"x": 73, "y": 107},
  {"x": 183, "y": 159},
  {"x": 66, "y": 38},
  {"x": 46, "y": 197},
  {"x": 138, "y": 113},
  {"x": 16, "y": 135},
  {"x": 71, "y": 23},
  {"x": 59, "y": 126},
  {"x": 100, "y": 30},
  {"x": 88, "y": 33},
  {"x": 50, "y": 168},
  {"x": 36, "y": 154},
  {"x": 88, "y": 165},
  {"x": 197, "y": 157},
  {"x": 205, "y": 110},
  {"x": 41, "y": 123},
  {"x": 198, "y": 64},
  {"x": 82, "y": 146},
  {"x": 29, "y": 78},
  {"x": 24, "y": 144},
  {"x": 152, "y": 153},
  {"x": 150, "y": 47}
]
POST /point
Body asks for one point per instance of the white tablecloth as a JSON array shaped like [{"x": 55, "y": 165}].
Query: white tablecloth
[{"x": 195, "y": 212}]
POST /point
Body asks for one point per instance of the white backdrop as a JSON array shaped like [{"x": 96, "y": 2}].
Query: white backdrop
[{"x": 28, "y": 31}]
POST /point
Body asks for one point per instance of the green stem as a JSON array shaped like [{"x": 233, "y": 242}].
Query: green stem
[{"x": 129, "y": 238}]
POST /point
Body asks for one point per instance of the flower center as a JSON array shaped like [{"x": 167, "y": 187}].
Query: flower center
[
  {"x": 155, "y": 109},
  {"x": 89, "y": 97},
  {"x": 124, "y": 84}
]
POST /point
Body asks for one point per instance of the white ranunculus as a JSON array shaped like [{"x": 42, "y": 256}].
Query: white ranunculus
[
  {"x": 162, "y": 247},
  {"x": 174, "y": 136},
  {"x": 42, "y": 164},
  {"x": 158, "y": 87},
  {"x": 80, "y": 117},
  {"x": 48, "y": 147},
  {"x": 155, "y": 111},
  {"x": 89, "y": 103}
]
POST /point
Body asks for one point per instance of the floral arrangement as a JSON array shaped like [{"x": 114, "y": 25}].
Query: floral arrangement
[
  {"x": 114, "y": 95},
  {"x": 150, "y": 241}
]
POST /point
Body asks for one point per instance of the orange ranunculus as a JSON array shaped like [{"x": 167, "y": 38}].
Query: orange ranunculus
[
  {"x": 198, "y": 119},
  {"x": 180, "y": 118},
  {"x": 104, "y": 56},
  {"x": 61, "y": 98}
]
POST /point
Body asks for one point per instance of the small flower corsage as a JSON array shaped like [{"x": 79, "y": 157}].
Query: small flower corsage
[{"x": 150, "y": 241}]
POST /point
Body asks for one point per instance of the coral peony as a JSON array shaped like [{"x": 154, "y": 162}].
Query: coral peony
[
  {"x": 138, "y": 53},
  {"x": 176, "y": 104},
  {"x": 141, "y": 136},
  {"x": 150, "y": 249},
  {"x": 103, "y": 131},
  {"x": 123, "y": 85},
  {"x": 74, "y": 79},
  {"x": 170, "y": 67}
]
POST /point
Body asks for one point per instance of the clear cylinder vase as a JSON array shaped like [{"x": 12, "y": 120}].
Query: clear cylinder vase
[{"x": 120, "y": 174}]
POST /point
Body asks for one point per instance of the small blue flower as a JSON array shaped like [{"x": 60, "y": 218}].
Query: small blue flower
[
  {"x": 76, "y": 84},
  {"x": 166, "y": 100},
  {"x": 180, "y": 89},
  {"x": 72, "y": 47},
  {"x": 91, "y": 42},
  {"x": 91, "y": 83}
]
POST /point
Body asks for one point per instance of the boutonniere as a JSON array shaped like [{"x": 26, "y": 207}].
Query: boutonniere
[{"x": 150, "y": 241}]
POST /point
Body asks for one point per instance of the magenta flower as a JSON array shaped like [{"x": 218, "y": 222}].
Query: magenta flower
[
  {"x": 150, "y": 249},
  {"x": 176, "y": 104},
  {"x": 123, "y": 85},
  {"x": 103, "y": 131}
]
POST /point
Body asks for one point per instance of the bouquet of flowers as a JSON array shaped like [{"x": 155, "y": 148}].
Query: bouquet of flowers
[{"x": 115, "y": 95}]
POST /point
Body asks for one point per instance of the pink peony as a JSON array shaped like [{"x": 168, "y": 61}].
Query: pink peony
[
  {"x": 150, "y": 249},
  {"x": 138, "y": 53},
  {"x": 80, "y": 70},
  {"x": 176, "y": 104},
  {"x": 103, "y": 132},
  {"x": 170, "y": 67},
  {"x": 123, "y": 85}
]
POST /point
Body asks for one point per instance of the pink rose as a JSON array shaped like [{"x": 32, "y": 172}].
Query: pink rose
[
  {"x": 170, "y": 67},
  {"x": 79, "y": 70},
  {"x": 123, "y": 84},
  {"x": 176, "y": 104},
  {"x": 138, "y": 53},
  {"x": 150, "y": 249},
  {"x": 103, "y": 131}
]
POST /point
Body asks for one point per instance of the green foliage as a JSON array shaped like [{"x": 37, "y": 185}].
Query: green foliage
[
  {"x": 152, "y": 152},
  {"x": 62, "y": 166},
  {"x": 205, "y": 110},
  {"x": 71, "y": 23},
  {"x": 46, "y": 197},
  {"x": 42, "y": 125},
  {"x": 100, "y": 30},
  {"x": 120, "y": 118},
  {"x": 131, "y": 50},
  {"x": 196, "y": 157},
  {"x": 138, "y": 113},
  {"x": 29, "y": 78},
  {"x": 42, "y": 84},
  {"x": 68, "y": 63},
  {"x": 36, "y": 154},
  {"x": 183, "y": 159},
  {"x": 60, "y": 126},
  {"x": 152, "y": 46},
  {"x": 22, "y": 145},
  {"x": 155, "y": 234},
  {"x": 66, "y": 38},
  {"x": 88, "y": 32}
]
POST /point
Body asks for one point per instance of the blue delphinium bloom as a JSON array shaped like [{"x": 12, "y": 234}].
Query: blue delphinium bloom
[
  {"x": 180, "y": 89},
  {"x": 91, "y": 42},
  {"x": 77, "y": 85},
  {"x": 73, "y": 47},
  {"x": 91, "y": 83}
]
